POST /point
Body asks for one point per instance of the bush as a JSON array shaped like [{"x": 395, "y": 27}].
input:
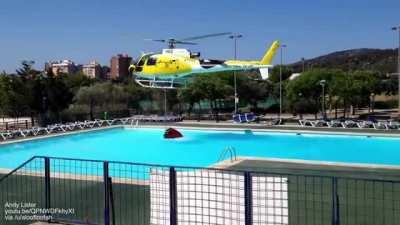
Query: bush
[{"x": 389, "y": 104}]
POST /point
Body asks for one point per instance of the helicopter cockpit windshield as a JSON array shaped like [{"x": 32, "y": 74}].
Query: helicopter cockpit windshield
[{"x": 141, "y": 62}]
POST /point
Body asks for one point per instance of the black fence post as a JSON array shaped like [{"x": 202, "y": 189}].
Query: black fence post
[
  {"x": 47, "y": 182},
  {"x": 173, "y": 217},
  {"x": 248, "y": 199},
  {"x": 26, "y": 124},
  {"x": 6, "y": 125},
  {"x": 111, "y": 200},
  {"x": 335, "y": 203},
  {"x": 106, "y": 194}
]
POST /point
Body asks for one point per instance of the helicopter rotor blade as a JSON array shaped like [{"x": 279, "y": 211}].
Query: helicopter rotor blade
[
  {"x": 185, "y": 43},
  {"x": 158, "y": 40},
  {"x": 204, "y": 36}
]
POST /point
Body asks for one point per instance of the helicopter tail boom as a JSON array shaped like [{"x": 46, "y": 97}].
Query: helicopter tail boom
[{"x": 266, "y": 61}]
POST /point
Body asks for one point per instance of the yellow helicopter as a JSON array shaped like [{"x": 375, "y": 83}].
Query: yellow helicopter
[{"x": 173, "y": 66}]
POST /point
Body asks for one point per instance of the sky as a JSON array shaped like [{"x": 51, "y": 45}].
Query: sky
[{"x": 85, "y": 30}]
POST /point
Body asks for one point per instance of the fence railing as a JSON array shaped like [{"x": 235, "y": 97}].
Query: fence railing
[
  {"x": 122, "y": 193},
  {"x": 15, "y": 125}
]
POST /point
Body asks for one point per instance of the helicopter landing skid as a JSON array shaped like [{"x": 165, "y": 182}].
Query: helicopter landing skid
[{"x": 161, "y": 84}]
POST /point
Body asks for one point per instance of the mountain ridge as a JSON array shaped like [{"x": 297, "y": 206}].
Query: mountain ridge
[{"x": 381, "y": 60}]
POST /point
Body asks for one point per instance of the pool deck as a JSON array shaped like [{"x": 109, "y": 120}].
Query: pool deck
[
  {"x": 287, "y": 128},
  {"x": 45, "y": 223},
  {"x": 315, "y": 168},
  {"x": 39, "y": 137},
  {"x": 229, "y": 126}
]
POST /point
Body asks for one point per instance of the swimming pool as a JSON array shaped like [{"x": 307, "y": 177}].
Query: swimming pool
[{"x": 204, "y": 147}]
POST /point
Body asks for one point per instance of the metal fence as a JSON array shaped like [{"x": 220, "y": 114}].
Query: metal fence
[
  {"x": 15, "y": 125},
  {"x": 120, "y": 193}
]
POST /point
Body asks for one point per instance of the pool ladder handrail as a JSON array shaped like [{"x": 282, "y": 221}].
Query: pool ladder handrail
[
  {"x": 136, "y": 124},
  {"x": 231, "y": 150}
]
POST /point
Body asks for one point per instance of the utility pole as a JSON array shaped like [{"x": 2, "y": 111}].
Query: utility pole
[
  {"x": 398, "y": 62},
  {"x": 235, "y": 37},
  {"x": 322, "y": 83},
  {"x": 165, "y": 104},
  {"x": 280, "y": 82}
]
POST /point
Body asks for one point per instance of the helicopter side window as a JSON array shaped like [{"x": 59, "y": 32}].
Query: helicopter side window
[{"x": 151, "y": 61}]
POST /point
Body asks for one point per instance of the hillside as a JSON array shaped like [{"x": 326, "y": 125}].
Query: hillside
[{"x": 384, "y": 60}]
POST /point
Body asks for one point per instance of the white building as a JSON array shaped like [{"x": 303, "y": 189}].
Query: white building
[
  {"x": 92, "y": 69},
  {"x": 62, "y": 67}
]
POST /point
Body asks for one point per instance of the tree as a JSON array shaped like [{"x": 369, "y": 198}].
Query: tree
[
  {"x": 102, "y": 97},
  {"x": 275, "y": 73},
  {"x": 343, "y": 91},
  {"x": 208, "y": 87},
  {"x": 307, "y": 90},
  {"x": 26, "y": 70},
  {"x": 136, "y": 94},
  {"x": 253, "y": 91},
  {"x": 3, "y": 93},
  {"x": 49, "y": 96},
  {"x": 190, "y": 95},
  {"x": 14, "y": 96},
  {"x": 75, "y": 81}
]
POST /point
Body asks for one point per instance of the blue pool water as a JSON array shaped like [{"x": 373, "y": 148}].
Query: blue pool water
[{"x": 203, "y": 148}]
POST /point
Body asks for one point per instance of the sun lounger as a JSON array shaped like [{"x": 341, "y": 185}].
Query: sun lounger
[
  {"x": 89, "y": 124},
  {"x": 335, "y": 123},
  {"x": 125, "y": 120},
  {"x": 23, "y": 132},
  {"x": 70, "y": 126},
  {"x": 38, "y": 130},
  {"x": 393, "y": 125},
  {"x": 319, "y": 123},
  {"x": 6, "y": 135},
  {"x": 366, "y": 124},
  {"x": 305, "y": 123},
  {"x": 55, "y": 128},
  {"x": 110, "y": 122},
  {"x": 250, "y": 117},
  {"x": 350, "y": 124},
  {"x": 244, "y": 118},
  {"x": 276, "y": 122},
  {"x": 237, "y": 118},
  {"x": 100, "y": 123},
  {"x": 381, "y": 126}
]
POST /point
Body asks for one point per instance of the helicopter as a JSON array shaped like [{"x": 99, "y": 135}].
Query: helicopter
[{"x": 173, "y": 67}]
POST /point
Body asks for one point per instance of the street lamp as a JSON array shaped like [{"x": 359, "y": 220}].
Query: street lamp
[
  {"x": 398, "y": 61},
  {"x": 323, "y": 83},
  {"x": 235, "y": 37},
  {"x": 301, "y": 113},
  {"x": 280, "y": 81},
  {"x": 372, "y": 102}
]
